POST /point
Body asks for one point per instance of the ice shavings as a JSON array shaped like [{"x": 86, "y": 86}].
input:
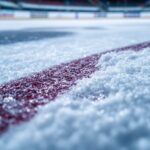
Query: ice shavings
[
  {"x": 126, "y": 72},
  {"x": 119, "y": 119}
]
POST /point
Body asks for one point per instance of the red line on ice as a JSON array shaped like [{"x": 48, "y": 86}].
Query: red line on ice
[{"x": 30, "y": 91}]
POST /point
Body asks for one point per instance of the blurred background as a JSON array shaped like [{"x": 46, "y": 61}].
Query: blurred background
[{"x": 73, "y": 8}]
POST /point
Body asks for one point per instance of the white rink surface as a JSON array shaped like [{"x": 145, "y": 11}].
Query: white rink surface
[
  {"x": 23, "y": 58},
  {"x": 118, "y": 119}
]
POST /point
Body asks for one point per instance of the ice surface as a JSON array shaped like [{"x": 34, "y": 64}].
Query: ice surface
[
  {"x": 23, "y": 58},
  {"x": 109, "y": 111}
]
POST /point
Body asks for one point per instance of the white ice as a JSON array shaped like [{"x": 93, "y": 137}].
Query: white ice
[
  {"x": 21, "y": 59},
  {"x": 109, "y": 110}
]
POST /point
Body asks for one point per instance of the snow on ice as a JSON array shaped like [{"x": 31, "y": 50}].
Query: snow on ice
[{"x": 109, "y": 110}]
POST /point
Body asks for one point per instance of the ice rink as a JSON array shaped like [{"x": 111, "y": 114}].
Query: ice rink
[{"x": 108, "y": 110}]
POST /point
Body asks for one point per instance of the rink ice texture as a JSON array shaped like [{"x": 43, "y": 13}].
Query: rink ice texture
[{"x": 109, "y": 110}]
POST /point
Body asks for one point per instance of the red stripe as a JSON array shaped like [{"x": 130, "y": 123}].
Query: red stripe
[{"x": 29, "y": 91}]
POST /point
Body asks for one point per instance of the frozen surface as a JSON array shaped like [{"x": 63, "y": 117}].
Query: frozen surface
[
  {"x": 110, "y": 110},
  {"x": 88, "y": 37}
]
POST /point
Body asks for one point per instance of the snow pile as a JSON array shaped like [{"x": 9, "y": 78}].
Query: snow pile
[{"x": 109, "y": 111}]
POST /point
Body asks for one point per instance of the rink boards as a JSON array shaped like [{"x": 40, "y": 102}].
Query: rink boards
[{"x": 12, "y": 14}]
